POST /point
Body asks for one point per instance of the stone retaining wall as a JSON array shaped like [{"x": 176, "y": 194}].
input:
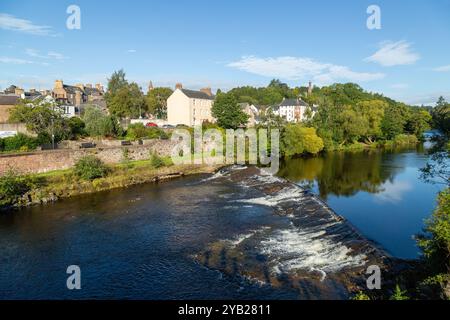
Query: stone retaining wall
[{"x": 44, "y": 161}]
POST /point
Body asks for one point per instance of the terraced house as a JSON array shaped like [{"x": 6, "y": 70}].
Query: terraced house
[
  {"x": 78, "y": 94},
  {"x": 190, "y": 107}
]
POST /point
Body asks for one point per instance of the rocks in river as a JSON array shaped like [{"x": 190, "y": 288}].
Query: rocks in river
[{"x": 316, "y": 252}]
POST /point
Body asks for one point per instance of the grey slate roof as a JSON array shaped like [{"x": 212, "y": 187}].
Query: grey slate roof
[
  {"x": 196, "y": 94},
  {"x": 8, "y": 99},
  {"x": 72, "y": 89},
  {"x": 293, "y": 102}
]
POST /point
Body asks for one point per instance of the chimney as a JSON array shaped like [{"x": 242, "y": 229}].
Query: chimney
[
  {"x": 99, "y": 87},
  {"x": 88, "y": 85},
  {"x": 207, "y": 91},
  {"x": 310, "y": 88},
  {"x": 179, "y": 86},
  {"x": 80, "y": 85},
  {"x": 59, "y": 84}
]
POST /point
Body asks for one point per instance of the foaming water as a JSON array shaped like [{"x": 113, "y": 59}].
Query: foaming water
[{"x": 296, "y": 249}]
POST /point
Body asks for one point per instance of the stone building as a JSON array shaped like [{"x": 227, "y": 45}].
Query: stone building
[
  {"x": 78, "y": 94},
  {"x": 6, "y": 103}
]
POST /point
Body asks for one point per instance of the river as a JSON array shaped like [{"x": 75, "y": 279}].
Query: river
[{"x": 142, "y": 242}]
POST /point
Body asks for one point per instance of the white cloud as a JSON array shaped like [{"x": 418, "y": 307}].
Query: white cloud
[
  {"x": 9, "y": 60},
  {"x": 442, "y": 69},
  {"x": 394, "y": 54},
  {"x": 294, "y": 68},
  {"x": 56, "y": 55},
  {"x": 10, "y": 22},
  {"x": 131, "y": 51},
  {"x": 50, "y": 55}
]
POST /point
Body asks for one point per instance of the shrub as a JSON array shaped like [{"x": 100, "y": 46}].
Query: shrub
[
  {"x": 399, "y": 294},
  {"x": 90, "y": 168},
  {"x": 361, "y": 296},
  {"x": 12, "y": 187},
  {"x": 406, "y": 139},
  {"x": 156, "y": 161},
  {"x": 136, "y": 131},
  {"x": 18, "y": 142}
]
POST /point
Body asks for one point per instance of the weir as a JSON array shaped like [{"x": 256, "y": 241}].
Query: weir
[{"x": 311, "y": 248}]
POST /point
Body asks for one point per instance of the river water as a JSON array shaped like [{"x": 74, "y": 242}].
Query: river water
[{"x": 142, "y": 242}]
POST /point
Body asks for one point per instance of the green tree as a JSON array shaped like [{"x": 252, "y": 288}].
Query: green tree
[
  {"x": 157, "y": 102},
  {"x": 297, "y": 139},
  {"x": 128, "y": 101},
  {"x": 441, "y": 116},
  {"x": 43, "y": 120},
  {"x": 98, "y": 124},
  {"x": 418, "y": 122},
  {"x": 394, "y": 121},
  {"x": 227, "y": 111},
  {"x": 352, "y": 124},
  {"x": 373, "y": 112}
]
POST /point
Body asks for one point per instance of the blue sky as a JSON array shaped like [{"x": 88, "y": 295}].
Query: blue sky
[{"x": 227, "y": 43}]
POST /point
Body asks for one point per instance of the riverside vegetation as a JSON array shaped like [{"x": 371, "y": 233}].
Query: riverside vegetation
[{"x": 89, "y": 175}]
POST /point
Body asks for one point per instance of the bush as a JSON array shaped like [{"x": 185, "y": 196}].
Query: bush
[
  {"x": 12, "y": 187},
  {"x": 399, "y": 294},
  {"x": 361, "y": 296},
  {"x": 156, "y": 161},
  {"x": 406, "y": 139},
  {"x": 139, "y": 131},
  {"x": 136, "y": 131},
  {"x": 90, "y": 168},
  {"x": 19, "y": 142}
]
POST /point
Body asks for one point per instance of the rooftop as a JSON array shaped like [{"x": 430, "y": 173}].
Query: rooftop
[{"x": 197, "y": 94}]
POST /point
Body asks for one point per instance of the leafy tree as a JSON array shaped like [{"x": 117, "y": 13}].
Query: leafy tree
[
  {"x": 441, "y": 116},
  {"x": 352, "y": 124},
  {"x": 124, "y": 99},
  {"x": 128, "y": 101},
  {"x": 298, "y": 140},
  {"x": 373, "y": 112},
  {"x": 115, "y": 83},
  {"x": 157, "y": 101},
  {"x": 76, "y": 126},
  {"x": 395, "y": 119},
  {"x": 97, "y": 124},
  {"x": 228, "y": 113},
  {"x": 43, "y": 120},
  {"x": 418, "y": 122}
]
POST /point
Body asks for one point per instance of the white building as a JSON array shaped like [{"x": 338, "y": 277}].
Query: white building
[
  {"x": 190, "y": 107},
  {"x": 293, "y": 110}
]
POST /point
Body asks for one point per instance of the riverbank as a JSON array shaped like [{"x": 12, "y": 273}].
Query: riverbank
[{"x": 54, "y": 185}]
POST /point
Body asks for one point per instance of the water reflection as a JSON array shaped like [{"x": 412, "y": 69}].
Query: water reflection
[
  {"x": 347, "y": 173},
  {"x": 380, "y": 192}
]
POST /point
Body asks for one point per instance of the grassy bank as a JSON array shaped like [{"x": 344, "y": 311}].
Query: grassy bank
[{"x": 54, "y": 185}]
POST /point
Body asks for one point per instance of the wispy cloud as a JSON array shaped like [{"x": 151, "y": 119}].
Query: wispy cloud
[
  {"x": 9, "y": 60},
  {"x": 50, "y": 55},
  {"x": 442, "y": 69},
  {"x": 10, "y": 22},
  {"x": 131, "y": 51},
  {"x": 394, "y": 54},
  {"x": 295, "y": 68}
]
